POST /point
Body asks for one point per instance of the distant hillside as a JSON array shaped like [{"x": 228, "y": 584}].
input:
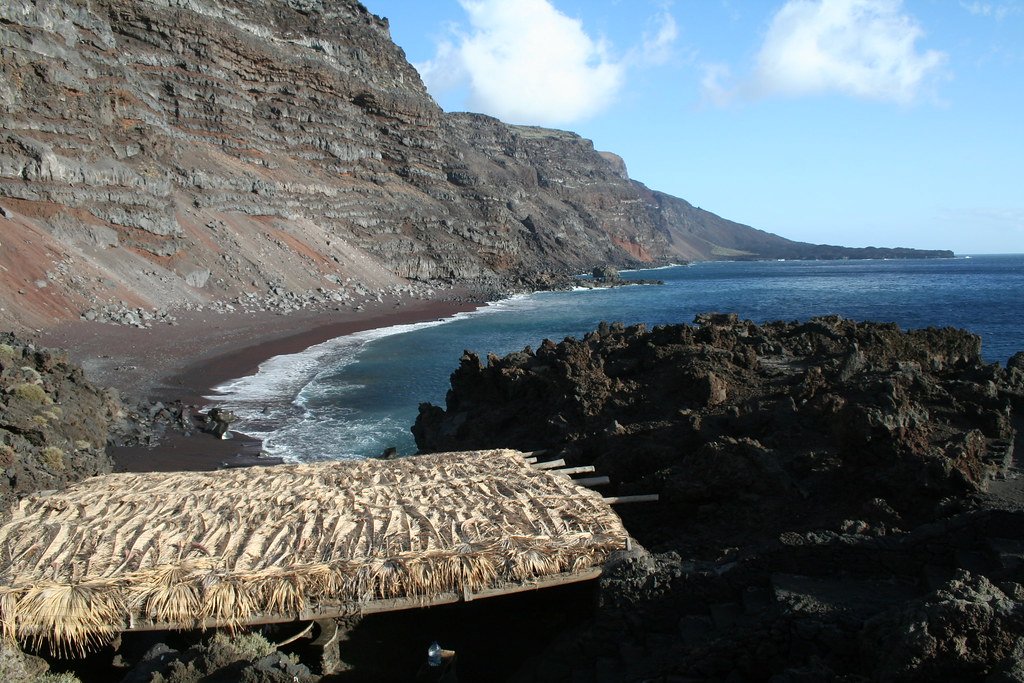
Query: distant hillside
[
  {"x": 180, "y": 154},
  {"x": 699, "y": 235}
]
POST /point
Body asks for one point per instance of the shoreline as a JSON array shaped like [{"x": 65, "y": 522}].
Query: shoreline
[{"x": 186, "y": 361}]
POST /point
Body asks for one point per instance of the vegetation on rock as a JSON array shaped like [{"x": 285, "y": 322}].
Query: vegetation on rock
[{"x": 44, "y": 420}]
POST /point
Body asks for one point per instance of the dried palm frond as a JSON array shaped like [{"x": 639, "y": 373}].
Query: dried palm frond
[
  {"x": 479, "y": 565},
  {"x": 70, "y": 618},
  {"x": 282, "y": 592},
  {"x": 8, "y": 614},
  {"x": 178, "y": 549},
  {"x": 173, "y": 595},
  {"x": 386, "y": 578},
  {"x": 228, "y": 600}
]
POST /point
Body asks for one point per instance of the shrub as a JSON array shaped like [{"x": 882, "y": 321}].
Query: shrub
[
  {"x": 53, "y": 458},
  {"x": 31, "y": 375},
  {"x": 251, "y": 646},
  {"x": 32, "y": 393},
  {"x": 64, "y": 677}
]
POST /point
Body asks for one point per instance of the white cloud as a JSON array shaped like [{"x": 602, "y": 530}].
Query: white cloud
[
  {"x": 997, "y": 10},
  {"x": 525, "y": 62},
  {"x": 713, "y": 82},
  {"x": 861, "y": 48},
  {"x": 657, "y": 48},
  {"x": 864, "y": 48},
  {"x": 445, "y": 70}
]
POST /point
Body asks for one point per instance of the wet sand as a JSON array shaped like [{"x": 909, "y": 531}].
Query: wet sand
[{"x": 184, "y": 362}]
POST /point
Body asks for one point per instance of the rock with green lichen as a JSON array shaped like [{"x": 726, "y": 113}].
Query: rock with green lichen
[{"x": 53, "y": 423}]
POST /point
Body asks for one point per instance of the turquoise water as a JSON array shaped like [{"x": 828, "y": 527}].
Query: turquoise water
[{"x": 355, "y": 396}]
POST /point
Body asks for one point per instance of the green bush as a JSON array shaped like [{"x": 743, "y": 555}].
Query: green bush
[
  {"x": 32, "y": 393},
  {"x": 31, "y": 375},
  {"x": 53, "y": 458},
  {"x": 65, "y": 677},
  {"x": 251, "y": 646}
]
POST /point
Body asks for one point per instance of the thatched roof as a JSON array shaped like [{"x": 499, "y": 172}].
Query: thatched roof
[{"x": 196, "y": 549}]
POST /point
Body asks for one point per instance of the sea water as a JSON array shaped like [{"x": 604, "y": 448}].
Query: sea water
[{"x": 354, "y": 396}]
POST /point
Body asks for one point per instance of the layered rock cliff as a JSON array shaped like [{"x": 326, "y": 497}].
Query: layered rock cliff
[{"x": 178, "y": 152}]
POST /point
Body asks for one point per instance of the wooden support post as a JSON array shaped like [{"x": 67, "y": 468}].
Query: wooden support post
[
  {"x": 326, "y": 645},
  {"x": 592, "y": 481},
  {"x": 642, "y": 498},
  {"x": 550, "y": 465}
]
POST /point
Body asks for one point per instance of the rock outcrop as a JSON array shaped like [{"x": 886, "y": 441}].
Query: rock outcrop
[
  {"x": 161, "y": 154},
  {"x": 53, "y": 423},
  {"x": 838, "y": 500}
]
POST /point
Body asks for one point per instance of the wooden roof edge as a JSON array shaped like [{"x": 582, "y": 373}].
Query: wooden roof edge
[{"x": 334, "y": 610}]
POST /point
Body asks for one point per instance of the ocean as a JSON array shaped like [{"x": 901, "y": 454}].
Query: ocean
[{"x": 354, "y": 396}]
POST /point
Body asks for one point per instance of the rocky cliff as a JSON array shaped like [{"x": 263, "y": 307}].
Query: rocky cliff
[{"x": 181, "y": 152}]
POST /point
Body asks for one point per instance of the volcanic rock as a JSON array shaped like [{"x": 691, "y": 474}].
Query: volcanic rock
[
  {"x": 838, "y": 500},
  {"x": 53, "y": 423}
]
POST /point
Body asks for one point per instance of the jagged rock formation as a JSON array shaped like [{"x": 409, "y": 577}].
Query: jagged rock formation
[
  {"x": 53, "y": 423},
  {"x": 164, "y": 154},
  {"x": 839, "y": 500}
]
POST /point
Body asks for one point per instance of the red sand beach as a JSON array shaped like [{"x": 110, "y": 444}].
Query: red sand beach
[{"x": 184, "y": 362}]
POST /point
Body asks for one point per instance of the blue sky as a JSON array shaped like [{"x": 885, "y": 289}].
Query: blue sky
[{"x": 853, "y": 122}]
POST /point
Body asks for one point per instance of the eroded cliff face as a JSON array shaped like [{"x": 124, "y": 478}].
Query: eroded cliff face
[{"x": 177, "y": 152}]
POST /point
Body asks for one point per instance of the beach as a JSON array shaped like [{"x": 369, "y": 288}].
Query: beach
[{"x": 184, "y": 362}]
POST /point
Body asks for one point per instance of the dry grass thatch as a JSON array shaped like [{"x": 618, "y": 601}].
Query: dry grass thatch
[{"x": 243, "y": 546}]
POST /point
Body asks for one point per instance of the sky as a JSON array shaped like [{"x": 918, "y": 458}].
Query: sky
[{"x": 852, "y": 122}]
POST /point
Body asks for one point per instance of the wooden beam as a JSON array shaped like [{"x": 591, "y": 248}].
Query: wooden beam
[
  {"x": 534, "y": 454},
  {"x": 549, "y": 465},
  {"x": 642, "y": 498},
  {"x": 336, "y": 609},
  {"x": 530, "y": 461},
  {"x": 582, "y": 469},
  {"x": 309, "y": 629},
  {"x": 592, "y": 481}
]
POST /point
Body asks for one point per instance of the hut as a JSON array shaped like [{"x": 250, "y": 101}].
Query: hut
[{"x": 233, "y": 548}]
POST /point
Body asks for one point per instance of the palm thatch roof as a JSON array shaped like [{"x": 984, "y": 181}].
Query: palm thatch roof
[{"x": 234, "y": 547}]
